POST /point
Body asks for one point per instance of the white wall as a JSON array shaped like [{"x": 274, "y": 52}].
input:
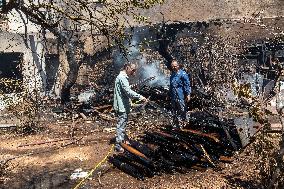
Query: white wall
[
  {"x": 33, "y": 59},
  {"x": 18, "y": 23}
]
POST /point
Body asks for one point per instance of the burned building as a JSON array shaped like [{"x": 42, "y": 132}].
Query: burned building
[{"x": 235, "y": 65}]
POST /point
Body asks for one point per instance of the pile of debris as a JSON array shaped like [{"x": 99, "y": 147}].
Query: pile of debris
[
  {"x": 208, "y": 138},
  {"x": 201, "y": 143}
]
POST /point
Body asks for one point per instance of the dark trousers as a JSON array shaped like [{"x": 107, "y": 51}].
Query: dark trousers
[{"x": 179, "y": 111}]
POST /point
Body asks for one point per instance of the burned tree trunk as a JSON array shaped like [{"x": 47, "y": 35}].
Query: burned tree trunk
[
  {"x": 69, "y": 82},
  {"x": 74, "y": 60},
  {"x": 164, "y": 45}
]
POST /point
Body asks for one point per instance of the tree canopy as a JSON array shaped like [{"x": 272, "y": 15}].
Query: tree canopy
[{"x": 68, "y": 20}]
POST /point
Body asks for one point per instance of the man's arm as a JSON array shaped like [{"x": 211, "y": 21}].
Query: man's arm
[
  {"x": 186, "y": 85},
  {"x": 128, "y": 91}
]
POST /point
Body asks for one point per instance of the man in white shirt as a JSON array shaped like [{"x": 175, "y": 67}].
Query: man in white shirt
[{"x": 121, "y": 103}]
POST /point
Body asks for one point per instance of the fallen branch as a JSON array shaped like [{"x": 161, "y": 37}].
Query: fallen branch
[
  {"x": 44, "y": 142},
  {"x": 7, "y": 125},
  {"x": 83, "y": 116},
  {"x": 105, "y": 117},
  {"x": 206, "y": 155},
  {"x": 3, "y": 162},
  {"x": 103, "y": 107}
]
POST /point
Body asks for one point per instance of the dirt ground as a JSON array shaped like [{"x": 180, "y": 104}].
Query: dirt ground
[{"x": 50, "y": 165}]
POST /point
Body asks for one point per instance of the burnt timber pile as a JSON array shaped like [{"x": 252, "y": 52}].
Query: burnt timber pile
[
  {"x": 165, "y": 151},
  {"x": 203, "y": 142},
  {"x": 214, "y": 132}
]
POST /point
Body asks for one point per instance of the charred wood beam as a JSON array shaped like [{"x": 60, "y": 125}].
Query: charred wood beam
[
  {"x": 142, "y": 148},
  {"x": 146, "y": 171},
  {"x": 217, "y": 149},
  {"x": 195, "y": 132},
  {"x": 166, "y": 165},
  {"x": 152, "y": 137},
  {"x": 188, "y": 139},
  {"x": 161, "y": 141},
  {"x": 129, "y": 169},
  {"x": 173, "y": 151},
  {"x": 175, "y": 138},
  {"x": 146, "y": 163},
  {"x": 224, "y": 125},
  {"x": 134, "y": 151},
  {"x": 182, "y": 157}
]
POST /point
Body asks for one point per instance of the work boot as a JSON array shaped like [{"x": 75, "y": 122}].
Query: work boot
[
  {"x": 119, "y": 150},
  {"x": 126, "y": 142}
]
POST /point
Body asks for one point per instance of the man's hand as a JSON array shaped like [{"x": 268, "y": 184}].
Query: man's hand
[
  {"x": 144, "y": 99},
  {"x": 187, "y": 99}
]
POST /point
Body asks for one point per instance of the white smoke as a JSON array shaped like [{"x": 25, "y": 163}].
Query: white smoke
[
  {"x": 153, "y": 69},
  {"x": 147, "y": 67},
  {"x": 132, "y": 50}
]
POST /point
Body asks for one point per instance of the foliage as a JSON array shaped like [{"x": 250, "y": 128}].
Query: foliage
[
  {"x": 22, "y": 105},
  {"x": 70, "y": 20},
  {"x": 102, "y": 17},
  {"x": 3, "y": 170},
  {"x": 8, "y": 85},
  {"x": 25, "y": 109},
  {"x": 266, "y": 148}
]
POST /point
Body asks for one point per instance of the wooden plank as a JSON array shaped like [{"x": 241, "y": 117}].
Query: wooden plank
[
  {"x": 7, "y": 125},
  {"x": 202, "y": 134}
]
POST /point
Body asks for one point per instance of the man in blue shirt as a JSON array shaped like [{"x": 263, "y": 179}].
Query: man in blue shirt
[
  {"x": 179, "y": 92},
  {"x": 121, "y": 103}
]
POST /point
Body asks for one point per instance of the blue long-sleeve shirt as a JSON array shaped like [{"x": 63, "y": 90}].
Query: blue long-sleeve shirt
[{"x": 179, "y": 85}]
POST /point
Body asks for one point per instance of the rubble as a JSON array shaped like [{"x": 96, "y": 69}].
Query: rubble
[{"x": 165, "y": 150}]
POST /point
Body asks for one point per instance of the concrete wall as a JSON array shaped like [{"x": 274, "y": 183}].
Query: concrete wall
[
  {"x": 33, "y": 69},
  {"x": 18, "y": 23}
]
